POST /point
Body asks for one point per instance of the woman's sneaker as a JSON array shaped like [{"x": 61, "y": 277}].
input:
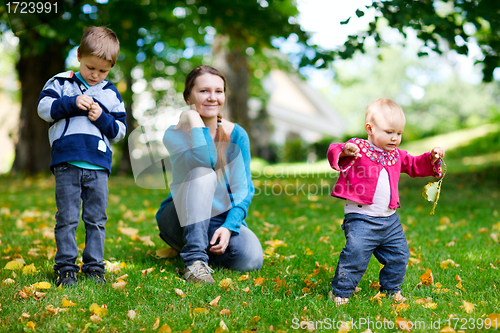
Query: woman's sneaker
[
  {"x": 338, "y": 300},
  {"x": 66, "y": 278},
  {"x": 197, "y": 272}
]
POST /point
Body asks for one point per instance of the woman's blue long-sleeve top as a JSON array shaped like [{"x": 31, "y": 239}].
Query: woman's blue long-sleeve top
[{"x": 235, "y": 190}]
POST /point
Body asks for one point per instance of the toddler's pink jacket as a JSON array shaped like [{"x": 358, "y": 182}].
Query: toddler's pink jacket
[{"x": 359, "y": 175}]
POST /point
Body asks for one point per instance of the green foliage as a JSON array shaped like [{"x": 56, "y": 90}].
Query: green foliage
[
  {"x": 294, "y": 150},
  {"x": 447, "y": 103},
  {"x": 456, "y": 22}
]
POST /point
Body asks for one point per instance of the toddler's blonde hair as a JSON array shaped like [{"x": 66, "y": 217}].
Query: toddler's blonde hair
[
  {"x": 101, "y": 42},
  {"x": 383, "y": 106}
]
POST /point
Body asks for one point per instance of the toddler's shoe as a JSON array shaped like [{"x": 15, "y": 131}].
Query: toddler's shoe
[
  {"x": 338, "y": 300},
  {"x": 398, "y": 298},
  {"x": 197, "y": 272},
  {"x": 97, "y": 276},
  {"x": 66, "y": 278}
]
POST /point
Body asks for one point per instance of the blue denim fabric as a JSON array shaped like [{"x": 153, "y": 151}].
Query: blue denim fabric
[
  {"x": 244, "y": 251},
  {"x": 77, "y": 187},
  {"x": 366, "y": 235}
]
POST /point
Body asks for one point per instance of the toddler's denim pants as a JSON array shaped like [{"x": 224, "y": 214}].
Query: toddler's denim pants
[
  {"x": 77, "y": 187},
  {"x": 366, "y": 235},
  {"x": 191, "y": 239}
]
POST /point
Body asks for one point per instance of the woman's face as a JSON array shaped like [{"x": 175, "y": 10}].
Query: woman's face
[{"x": 207, "y": 95}]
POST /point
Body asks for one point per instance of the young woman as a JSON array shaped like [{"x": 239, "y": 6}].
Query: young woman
[{"x": 204, "y": 215}]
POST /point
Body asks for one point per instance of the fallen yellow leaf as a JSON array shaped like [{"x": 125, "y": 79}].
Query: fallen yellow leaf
[
  {"x": 179, "y": 292},
  {"x": 95, "y": 319},
  {"x": 459, "y": 285},
  {"x": 66, "y": 303},
  {"x": 14, "y": 265},
  {"x": 156, "y": 324},
  {"x": 445, "y": 264},
  {"x": 259, "y": 281},
  {"x": 8, "y": 281},
  {"x": 131, "y": 314},
  {"x": 200, "y": 310},
  {"x": 30, "y": 325},
  {"x": 225, "y": 283},
  {"x": 214, "y": 302},
  {"x": 119, "y": 285},
  {"x": 165, "y": 329},
  {"x": 494, "y": 320},
  {"x": 226, "y": 312},
  {"x": 447, "y": 329},
  {"x": 426, "y": 279},
  {"x": 222, "y": 327},
  {"x": 275, "y": 243},
  {"x": 403, "y": 324},
  {"x": 30, "y": 269},
  {"x": 97, "y": 310},
  {"x": 168, "y": 252},
  {"x": 41, "y": 285},
  {"x": 147, "y": 271},
  {"x": 468, "y": 307},
  {"x": 128, "y": 231},
  {"x": 243, "y": 277},
  {"x": 430, "y": 305}
]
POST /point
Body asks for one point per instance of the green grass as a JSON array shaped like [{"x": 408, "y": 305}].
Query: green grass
[{"x": 306, "y": 218}]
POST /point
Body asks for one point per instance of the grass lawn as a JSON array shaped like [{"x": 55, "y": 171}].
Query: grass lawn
[{"x": 298, "y": 224}]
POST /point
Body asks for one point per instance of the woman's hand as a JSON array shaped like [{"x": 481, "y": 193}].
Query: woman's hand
[
  {"x": 188, "y": 120},
  {"x": 223, "y": 235},
  {"x": 437, "y": 153}
]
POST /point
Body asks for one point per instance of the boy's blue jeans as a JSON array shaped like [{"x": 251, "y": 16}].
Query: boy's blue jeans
[
  {"x": 77, "y": 187},
  {"x": 366, "y": 235},
  {"x": 244, "y": 251}
]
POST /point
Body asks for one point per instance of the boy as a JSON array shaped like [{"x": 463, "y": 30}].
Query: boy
[
  {"x": 368, "y": 180},
  {"x": 86, "y": 114}
]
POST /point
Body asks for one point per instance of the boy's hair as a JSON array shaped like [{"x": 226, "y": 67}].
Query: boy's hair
[
  {"x": 384, "y": 106},
  {"x": 101, "y": 42}
]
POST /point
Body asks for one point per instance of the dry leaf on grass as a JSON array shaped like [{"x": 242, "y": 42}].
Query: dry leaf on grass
[
  {"x": 468, "y": 307},
  {"x": 213, "y": 303},
  {"x": 66, "y": 303},
  {"x": 403, "y": 324},
  {"x": 167, "y": 252},
  {"x": 427, "y": 279}
]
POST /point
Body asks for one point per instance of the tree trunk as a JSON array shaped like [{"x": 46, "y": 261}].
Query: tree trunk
[
  {"x": 233, "y": 63},
  {"x": 33, "y": 152}
]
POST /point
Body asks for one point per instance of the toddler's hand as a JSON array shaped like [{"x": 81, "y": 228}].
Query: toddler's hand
[
  {"x": 350, "y": 150},
  {"x": 84, "y": 102},
  {"x": 437, "y": 153},
  {"x": 94, "y": 112}
]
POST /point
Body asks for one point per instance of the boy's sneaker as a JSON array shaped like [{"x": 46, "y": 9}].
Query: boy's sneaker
[
  {"x": 97, "y": 276},
  {"x": 198, "y": 271},
  {"x": 66, "y": 278},
  {"x": 338, "y": 300}
]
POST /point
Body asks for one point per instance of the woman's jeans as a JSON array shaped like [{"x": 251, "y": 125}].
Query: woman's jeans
[
  {"x": 366, "y": 235},
  {"x": 88, "y": 189},
  {"x": 185, "y": 224}
]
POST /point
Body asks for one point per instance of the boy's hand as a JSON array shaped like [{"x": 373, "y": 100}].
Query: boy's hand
[
  {"x": 94, "y": 112},
  {"x": 350, "y": 150},
  {"x": 437, "y": 153},
  {"x": 84, "y": 102}
]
